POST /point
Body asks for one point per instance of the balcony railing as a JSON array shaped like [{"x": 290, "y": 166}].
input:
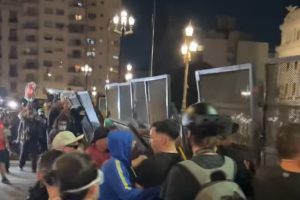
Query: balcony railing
[
  {"x": 13, "y": 56},
  {"x": 29, "y": 1},
  {"x": 30, "y": 66},
  {"x": 30, "y": 53},
  {"x": 30, "y": 39},
  {"x": 76, "y": 28},
  {"x": 31, "y": 13},
  {"x": 13, "y": 38},
  {"x": 76, "y": 83},
  {"x": 13, "y": 20},
  {"x": 30, "y": 26}
]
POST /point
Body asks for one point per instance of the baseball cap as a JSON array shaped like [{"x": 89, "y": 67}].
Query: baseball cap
[
  {"x": 64, "y": 139},
  {"x": 100, "y": 133}
]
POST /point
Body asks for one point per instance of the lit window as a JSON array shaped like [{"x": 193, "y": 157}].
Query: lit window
[{"x": 78, "y": 17}]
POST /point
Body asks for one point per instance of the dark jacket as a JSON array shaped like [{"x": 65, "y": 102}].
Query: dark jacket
[
  {"x": 54, "y": 112},
  {"x": 245, "y": 176},
  {"x": 154, "y": 170},
  {"x": 38, "y": 192},
  {"x": 29, "y": 129},
  {"x": 118, "y": 184},
  {"x": 181, "y": 184}
]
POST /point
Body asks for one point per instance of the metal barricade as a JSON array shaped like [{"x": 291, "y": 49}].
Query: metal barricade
[
  {"x": 125, "y": 102},
  {"x": 282, "y": 100},
  {"x": 144, "y": 100},
  {"x": 230, "y": 90},
  {"x": 112, "y": 100}
]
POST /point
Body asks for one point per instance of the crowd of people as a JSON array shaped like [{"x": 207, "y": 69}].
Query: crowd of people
[{"x": 106, "y": 168}]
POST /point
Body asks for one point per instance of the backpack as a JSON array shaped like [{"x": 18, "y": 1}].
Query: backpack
[{"x": 215, "y": 190}]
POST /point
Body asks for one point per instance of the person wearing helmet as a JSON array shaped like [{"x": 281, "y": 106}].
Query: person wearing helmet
[{"x": 186, "y": 179}]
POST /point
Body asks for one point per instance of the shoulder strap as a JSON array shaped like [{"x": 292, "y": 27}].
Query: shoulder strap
[
  {"x": 203, "y": 175},
  {"x": 200, "y": 174},
  {"x": 229, "y": 168}
]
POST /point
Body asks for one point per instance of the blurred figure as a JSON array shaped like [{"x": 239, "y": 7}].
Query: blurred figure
[
  {"x": 41, "y": 189},
  {"x": 244, "y": 158},
  {"x": 60, "y": 124},
  {"x": 98, "y": 150},
  {"x": 4, "y": 146},
  {"x": 208, "y": 175},
  {"x": 54, "y": 112},
  {"x": 282, "y": 181},
  {"x": 28, "y": 137},
  {"x": 117, "y": 171},
  {"x": 75, "y": 120},
  {"x": 77, "y": 177},
  {"x": 66, "y": 142},
  {"x": 8, "y": 136},
  {"x": 154, "y": 170},
  {"x": 43, "y": 134},
  {"x": 29, "y": 98}
]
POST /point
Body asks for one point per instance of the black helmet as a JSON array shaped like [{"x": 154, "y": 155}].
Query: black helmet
[{"x": 204, "y": 118}]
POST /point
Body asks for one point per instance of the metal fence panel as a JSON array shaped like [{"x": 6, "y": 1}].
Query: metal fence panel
[
  {"x": 158, "y": 100},
  {"x": 139, "y": 99},
  {"x": 229, "y": 89},
  {"x": 282, "y": 99},
  {"x": 144, "y": 100},
  {"x": 125, "y": 103},
  {"x": 112, "y": 101},
  {"x": 102, "y": 105}
]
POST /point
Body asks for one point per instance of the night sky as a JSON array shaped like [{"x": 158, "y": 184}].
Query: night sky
[{"x": 260, "y": 18}]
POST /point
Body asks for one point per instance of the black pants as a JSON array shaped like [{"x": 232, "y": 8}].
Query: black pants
[
  {"x": 29, "y": 148},
  {"x": 7, "y": 164}
]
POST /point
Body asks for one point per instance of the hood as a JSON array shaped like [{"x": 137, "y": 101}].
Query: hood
[{"x": 120, "y": 146}]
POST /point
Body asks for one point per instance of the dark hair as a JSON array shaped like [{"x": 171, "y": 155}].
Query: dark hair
[
  {"x": 205, "y": 136},
  {"x": 169, "y": 127},
  {"x": 72, "y": 171},
  {"x": 47, "y": 159},
  {"x": 61, "y": 117},
  {"x": 288, "y": 141}
]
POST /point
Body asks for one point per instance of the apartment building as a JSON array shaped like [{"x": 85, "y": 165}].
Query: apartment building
[{"x": 47, "y": 41}]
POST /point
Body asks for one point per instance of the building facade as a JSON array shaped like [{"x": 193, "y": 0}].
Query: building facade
[
  {"x": 219, "y": 52},
  {"x": 226, "y": 47},
  {"x": 290, "y": 34},
  {"x": 47, "y": 41}
]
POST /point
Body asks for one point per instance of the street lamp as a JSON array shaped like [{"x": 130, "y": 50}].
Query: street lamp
[
  {"x": 123, "y": 26},
  {"x": 87, "y": 70},
  {"x": 129, "y": 75},
  {"x": 94, "y": 91},
  {"x": 188, "y": 48}
]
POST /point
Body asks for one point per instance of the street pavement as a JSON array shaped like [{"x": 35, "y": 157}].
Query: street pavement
[{"x": 21, "y": 182}]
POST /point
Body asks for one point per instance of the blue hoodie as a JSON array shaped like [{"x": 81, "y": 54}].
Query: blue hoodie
[{"x": 117, "y": 181}]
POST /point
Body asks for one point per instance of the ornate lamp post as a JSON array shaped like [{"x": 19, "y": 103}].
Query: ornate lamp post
[
  {"x": 86, "y": 69},
  {"x": 123, "y": 26},
  {"x": 188, "y": 48},
  {"x": 129, "y": 75}
]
